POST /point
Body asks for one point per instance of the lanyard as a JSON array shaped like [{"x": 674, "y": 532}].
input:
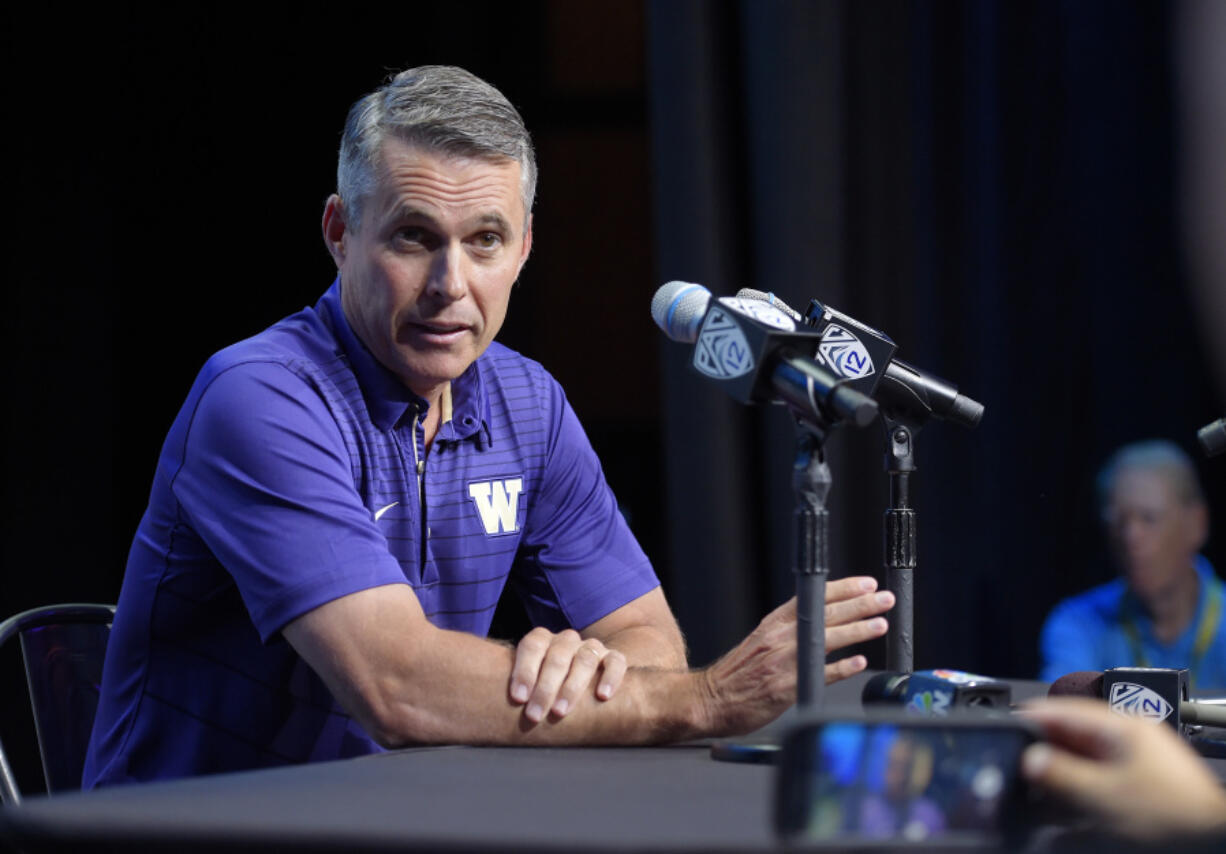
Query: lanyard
[{"x": 1209, "y": 620}]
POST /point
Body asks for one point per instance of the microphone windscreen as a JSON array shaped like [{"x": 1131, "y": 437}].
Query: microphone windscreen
[
  {"x": 678, "y": 307},
  {"x": 883, "y": 688},
  {"x": 1083, "y": 683},
  {"x": 763, "y": 296}
]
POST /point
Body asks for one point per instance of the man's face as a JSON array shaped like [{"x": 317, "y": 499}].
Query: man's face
[
  {"x": 426, "y": 277},
  {"x": 1154, "y": 534}
]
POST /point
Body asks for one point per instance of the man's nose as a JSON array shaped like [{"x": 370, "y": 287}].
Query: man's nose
[
  {"x": 448, "y": 278},
  {"x": 1132, "y": 532}
]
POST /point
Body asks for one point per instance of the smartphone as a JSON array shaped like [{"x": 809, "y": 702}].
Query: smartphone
[{"x": 901, "y": 780}]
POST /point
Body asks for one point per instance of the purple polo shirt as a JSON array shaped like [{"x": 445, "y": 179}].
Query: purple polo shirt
[{"x": 289, "y": 479}]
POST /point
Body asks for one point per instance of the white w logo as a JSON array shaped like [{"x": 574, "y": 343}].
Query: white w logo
[{"x": 497, "y": 502}]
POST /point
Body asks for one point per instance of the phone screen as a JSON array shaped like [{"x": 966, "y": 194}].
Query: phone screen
[{"x": 907, "y": 781}]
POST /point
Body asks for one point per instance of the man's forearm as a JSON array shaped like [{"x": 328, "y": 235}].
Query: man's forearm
[
  {"x": 407, "y": 681},
  {"x": 644, "y": 631},
  {"x": 647, "y": 646},
  {"x": 455, "y": 691},
  {"x": 459, "y": 693}
]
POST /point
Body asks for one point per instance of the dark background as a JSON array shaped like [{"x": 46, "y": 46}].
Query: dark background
[{"x": 992, "y": 183}]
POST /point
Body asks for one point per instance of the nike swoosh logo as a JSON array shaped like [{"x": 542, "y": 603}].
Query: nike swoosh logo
[{"x": 379, "y": 513}]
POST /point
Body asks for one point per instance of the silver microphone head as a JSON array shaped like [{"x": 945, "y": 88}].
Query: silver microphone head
[{"x": 678, "y": 308}]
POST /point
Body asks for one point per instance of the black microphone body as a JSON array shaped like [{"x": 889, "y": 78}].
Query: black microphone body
[
  {"x": 1212, "y": 438},
  {"x": 907, "y": 390},
  {"x": 756, "y": 354},
  {"x": 855, "y": 351},
  {"x": 936, "y": 692}
]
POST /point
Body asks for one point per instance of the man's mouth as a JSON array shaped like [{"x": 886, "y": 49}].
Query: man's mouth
[{"x": 436, "y": 331}]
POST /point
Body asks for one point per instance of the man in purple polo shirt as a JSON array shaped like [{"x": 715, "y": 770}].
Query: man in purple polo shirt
[{"x": 343, "y": 497}]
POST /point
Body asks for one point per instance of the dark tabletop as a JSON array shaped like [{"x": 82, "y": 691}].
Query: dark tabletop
[{"x": 445, "y": 798}]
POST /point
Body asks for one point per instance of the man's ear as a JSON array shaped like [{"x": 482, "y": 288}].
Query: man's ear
[
  {"x": 1198, "y": 525},
  {"x": 334, "y": 228},
  {"x": 525, "y": 247}
]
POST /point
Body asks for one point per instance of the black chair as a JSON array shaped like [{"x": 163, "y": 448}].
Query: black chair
[{"x": 63, "y": 647}]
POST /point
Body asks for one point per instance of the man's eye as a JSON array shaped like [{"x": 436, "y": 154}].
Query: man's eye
[
  {"x": 489, "y": 240},
  {"x": 410, "y": 235}
]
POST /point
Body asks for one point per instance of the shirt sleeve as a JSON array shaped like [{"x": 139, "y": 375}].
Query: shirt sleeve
[
  {"x": 1068, "y": 642},
  {"x": 578, "y": 559},
  {"x": 267, "y": 484}
]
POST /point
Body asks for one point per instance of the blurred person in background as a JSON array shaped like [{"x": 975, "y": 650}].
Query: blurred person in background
[{"x": 1165, "y": 609}]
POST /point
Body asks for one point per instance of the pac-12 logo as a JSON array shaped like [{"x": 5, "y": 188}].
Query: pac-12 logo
[
  {"x": 844, "y": 353},
  {"x": 722, "y": 352},
  {"x": 497, "y": 503},
  {"x": 1137, "y": 701}
]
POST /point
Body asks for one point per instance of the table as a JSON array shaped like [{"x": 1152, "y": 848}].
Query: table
[
  {"x": 448, "y": 798},
  {"x": 441, "y": 798}
]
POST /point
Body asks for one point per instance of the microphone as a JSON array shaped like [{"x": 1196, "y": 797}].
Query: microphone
[
  {"x": 757, "y": 354},
  {"x": 1212, "y": 438},
  {"x": 902, "y": 388},
  {"x": 678, "y": 309},
  {"x": 936, "y": 692},
  {"x": 1152, "y": 693}
]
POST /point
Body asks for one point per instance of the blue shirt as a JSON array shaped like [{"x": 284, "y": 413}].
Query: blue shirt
[
  {"x": 291, "y": 478},
  {"x": 1087, "y": 632}
]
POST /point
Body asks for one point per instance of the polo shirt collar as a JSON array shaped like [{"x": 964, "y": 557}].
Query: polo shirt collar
[
  {"x": 387, "y": 398},
  {"x": 469, "y": 406},
  {"x": 1132, "y": 608}
]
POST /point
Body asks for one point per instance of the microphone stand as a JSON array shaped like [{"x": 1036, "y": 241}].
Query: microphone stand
[
  {"x": 811, "y": 482},
  {"x": 900, "y": 545}
]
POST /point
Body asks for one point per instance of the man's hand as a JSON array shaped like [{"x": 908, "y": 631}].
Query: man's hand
[
  {"x": 853, "y": 609},
  {"x": 551, "y": 671},
  {"x": 753, "y": 684},
  {"x": 1135, "y": 778}
]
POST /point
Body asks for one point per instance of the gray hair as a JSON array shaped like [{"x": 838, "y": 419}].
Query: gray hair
[
  {"x": 441, "y": 108},
  {"x": 1152, "y": 455}
]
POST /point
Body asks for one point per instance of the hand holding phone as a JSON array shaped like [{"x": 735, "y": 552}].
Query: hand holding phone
[
  {"x": 1130, "y": 776},
  {"x": 901, "y": 779}
]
